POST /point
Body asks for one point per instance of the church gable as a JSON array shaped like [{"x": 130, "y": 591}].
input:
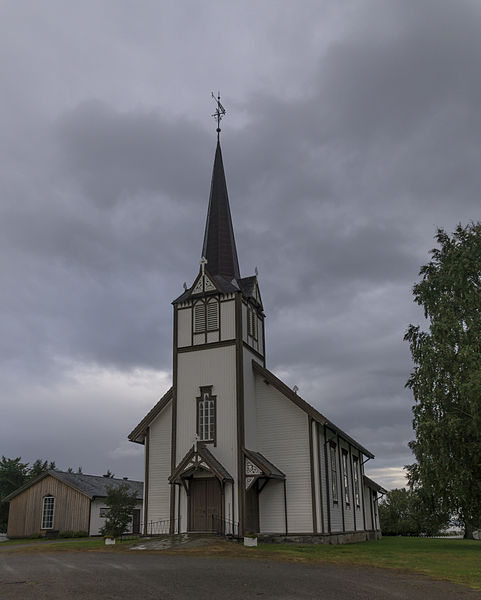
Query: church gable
[{"x": 139, "y": 432}]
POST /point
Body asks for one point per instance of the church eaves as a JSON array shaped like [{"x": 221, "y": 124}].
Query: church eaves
[{"x": 219, "y": 244}]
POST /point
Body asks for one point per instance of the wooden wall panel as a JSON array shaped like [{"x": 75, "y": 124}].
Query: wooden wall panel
[{"x": 71, "y": 509}]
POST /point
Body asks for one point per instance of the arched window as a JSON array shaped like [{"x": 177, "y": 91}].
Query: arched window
[
  {"x": 199, "y": 317},
  {"x": 47, "y": 512},
  {"x": 206, "y": 415},
  {"x": 212, "y": 314}
]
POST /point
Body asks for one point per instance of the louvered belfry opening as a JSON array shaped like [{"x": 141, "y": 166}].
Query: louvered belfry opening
[{"x": 219, "y": 244}]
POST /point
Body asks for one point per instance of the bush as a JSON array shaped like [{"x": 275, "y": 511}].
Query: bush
[{"x": 73, "y": 534}]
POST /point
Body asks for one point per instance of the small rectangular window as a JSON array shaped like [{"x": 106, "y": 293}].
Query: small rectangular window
[
  {"x": 103, "y": 512},
  {"x": 47, "y": 512}
]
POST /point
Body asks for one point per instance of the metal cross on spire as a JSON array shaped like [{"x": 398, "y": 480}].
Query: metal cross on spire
[{"x": 219, "y": 112}]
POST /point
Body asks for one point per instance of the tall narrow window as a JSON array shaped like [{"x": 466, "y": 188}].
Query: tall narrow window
[
  {"x": 251, "y": 322},
  {"x": 47, "y": 512},
  {"x": 199, "y": 317},
  {"x": 212, "y": 315},
  {"x": 333, "y": 472},
  {"x": 206, "y": 415},
  {"x": 345, "y": 477},
  {"x": 355, "y": 467}
]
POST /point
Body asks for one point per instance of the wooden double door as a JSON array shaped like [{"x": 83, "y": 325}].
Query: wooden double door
[{"x": 205, "y": 504}]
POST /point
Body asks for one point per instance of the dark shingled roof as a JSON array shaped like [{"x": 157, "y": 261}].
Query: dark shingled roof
[
  {"x": 265, "y": 465},
  {"x": 93, "y": 486},
  {"x": 219, "y": 244},
  {"x": 373, "y": 485}
]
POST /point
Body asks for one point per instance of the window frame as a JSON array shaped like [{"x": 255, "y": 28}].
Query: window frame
[
  {"x": 333, "y": 472},
  {"x": 48, "y": 511},
  {"x": 200, "y": 316},
  {"x": 206, "y": 391},
  {"x": 357, "y": 494},
  {"x": 345, "y": 477},
  {"x": 252, "y": 323}
]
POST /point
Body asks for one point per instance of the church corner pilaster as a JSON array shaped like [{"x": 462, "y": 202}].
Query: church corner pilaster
[
  {"x": 311, "y": 466},
  {"x": 173, "y": 448},
  {"x": 146, "y": 478},
  {"x": 240, "y": 411}
]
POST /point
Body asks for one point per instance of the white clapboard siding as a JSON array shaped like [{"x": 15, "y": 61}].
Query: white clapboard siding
[
  {"x": 159, "y": 466},
  {"x": 214, "y": 367},
  {"x": 184, "y": 327},
  {"x": 283, "y": 438},
  {"x": 250, "y": 410},
  {"x": 227, "y": 320}
]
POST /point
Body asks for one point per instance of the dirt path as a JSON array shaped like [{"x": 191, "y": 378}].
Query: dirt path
[{"x": 146, "y": 576}]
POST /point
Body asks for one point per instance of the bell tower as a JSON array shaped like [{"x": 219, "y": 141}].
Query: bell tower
[{"x": 218, "y": 331}]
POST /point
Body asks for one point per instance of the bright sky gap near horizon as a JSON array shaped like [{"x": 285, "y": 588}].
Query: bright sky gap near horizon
[{"x": 353, "y": 132}]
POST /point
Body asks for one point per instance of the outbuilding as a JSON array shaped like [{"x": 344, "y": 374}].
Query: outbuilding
[{"x": 57, "y": 502}]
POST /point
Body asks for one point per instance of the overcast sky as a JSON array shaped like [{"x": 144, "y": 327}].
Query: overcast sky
[{"x": 353, "y": 132}]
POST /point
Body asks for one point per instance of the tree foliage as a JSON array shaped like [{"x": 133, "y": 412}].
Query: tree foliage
[
  {"x": 14, "y": 474},
  {"x": 411, "y": 512},
  {"x": 446, "y": 380},
  {"x": 121, "y": 503}
]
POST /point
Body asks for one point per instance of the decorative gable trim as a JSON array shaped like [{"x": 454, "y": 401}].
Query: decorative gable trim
[
  {"x": 199, "y": 459},
  {"x": 257, "y": 466}
]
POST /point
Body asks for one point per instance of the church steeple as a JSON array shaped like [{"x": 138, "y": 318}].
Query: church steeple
[{"x": 219, "y": 244}]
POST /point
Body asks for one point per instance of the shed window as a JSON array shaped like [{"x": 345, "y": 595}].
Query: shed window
[{"x": 47, "y": 512}]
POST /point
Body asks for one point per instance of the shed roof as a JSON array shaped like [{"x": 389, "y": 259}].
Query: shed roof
[{"x": 93, "y": 486}]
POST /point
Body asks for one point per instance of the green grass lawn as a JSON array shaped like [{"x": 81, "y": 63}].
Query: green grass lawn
[
  {"x": 458, "y": 561},
  {"x": 66, "y": 544}
]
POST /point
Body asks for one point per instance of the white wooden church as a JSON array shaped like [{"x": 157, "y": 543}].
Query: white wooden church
[{"x": 231, "y": 448}]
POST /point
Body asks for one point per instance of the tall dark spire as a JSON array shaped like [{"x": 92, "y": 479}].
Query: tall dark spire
[{"x": 219, "y": 243}]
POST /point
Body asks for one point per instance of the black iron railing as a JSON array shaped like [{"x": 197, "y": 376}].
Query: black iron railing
[
  {"x": 225, "y": 527},
  {"x": 215, "y": 524},
  {"x": 163, "y": 527}
]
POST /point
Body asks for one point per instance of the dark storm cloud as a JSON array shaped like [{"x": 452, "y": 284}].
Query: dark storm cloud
[{"x": 355, "y": 132}]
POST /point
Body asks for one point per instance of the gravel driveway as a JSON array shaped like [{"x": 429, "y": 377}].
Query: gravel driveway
[{"x": 83, "y": 575}]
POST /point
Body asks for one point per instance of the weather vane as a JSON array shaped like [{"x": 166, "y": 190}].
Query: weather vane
[{"x": 219, "y": 112}]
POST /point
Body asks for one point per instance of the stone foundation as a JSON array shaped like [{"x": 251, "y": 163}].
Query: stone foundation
[{"x": 351, "y": 537}]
